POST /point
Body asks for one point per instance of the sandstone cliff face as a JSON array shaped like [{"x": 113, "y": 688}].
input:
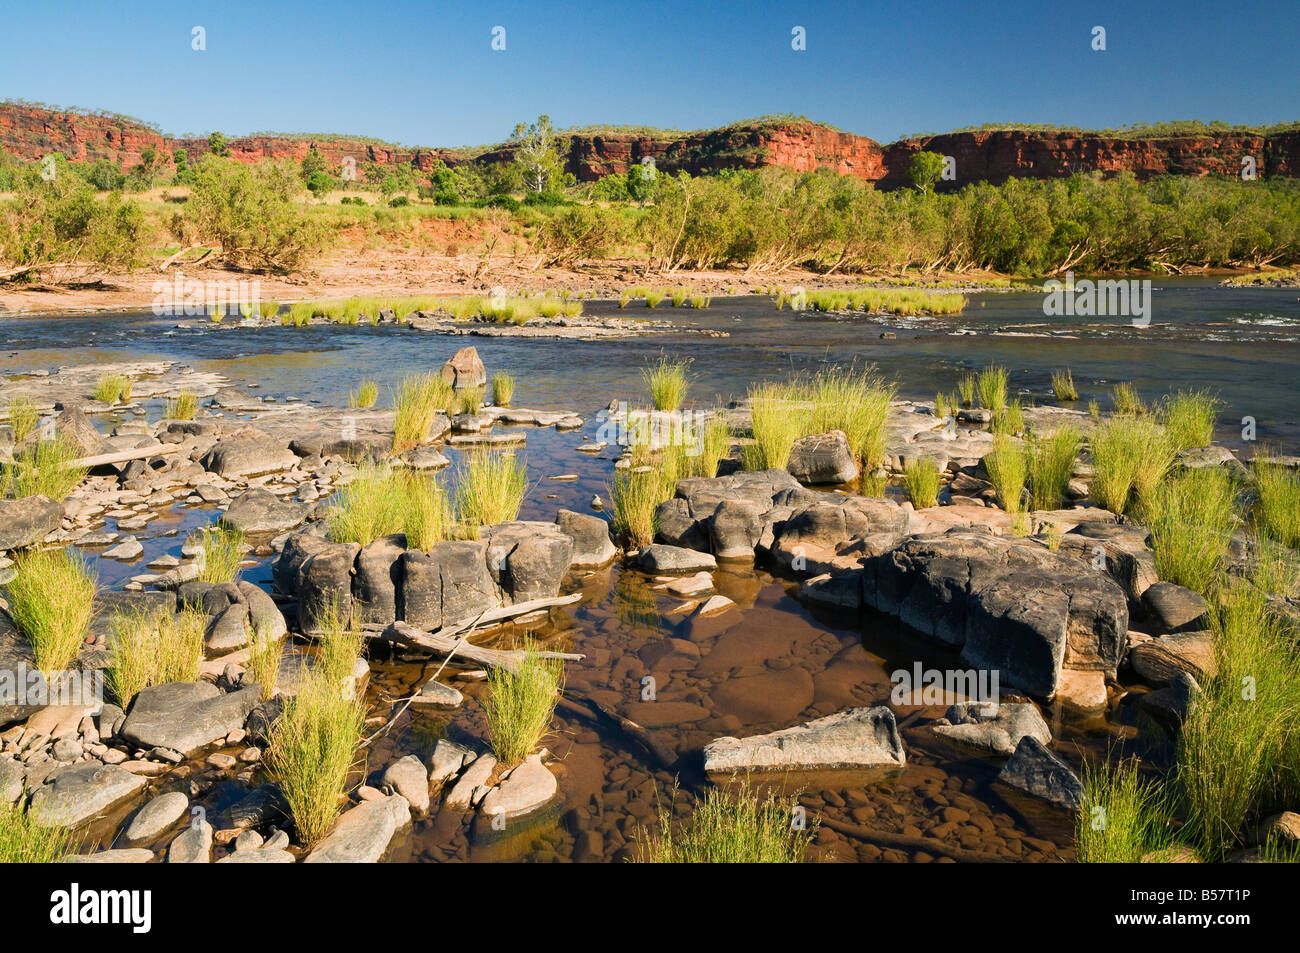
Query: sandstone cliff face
[{"x": 31, "y": 132}]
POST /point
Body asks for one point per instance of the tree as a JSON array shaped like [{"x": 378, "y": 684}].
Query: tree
[
  {"x": 641, "y": 183},
  {"x": 184, "y": 174},
  {"x": 219, "y": 144},
  {"x": 312, "y": 162},
  {"x": 924, "y": 170},
  {"x": 535, "y": 154}
]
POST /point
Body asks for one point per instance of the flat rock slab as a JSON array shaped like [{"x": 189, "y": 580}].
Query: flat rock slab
[
  {"x": 81, "y": 792},
  {"x": 527, "y": 788},
  {"x": 156, "y": 817},
  {"x": 434, "y": 694},
  {"x": 461, "y": 796},
  {"x": 121, "y": 855},
  {"x": 363, "y": 833},
  {"x": 409, "y": 778},
  {"x": 856, "y": 738},
  {"x": 261, "y": 855},
  {"x": 28, "y": 520},
  {"x": 259, "y": 510},
  {"x": 994, "y": 728},
  {"x": 664, "y": 558},
  {"x": 187, "y": 716}
]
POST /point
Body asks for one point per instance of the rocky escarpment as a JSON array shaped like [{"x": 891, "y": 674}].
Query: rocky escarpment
[{"x": 30, "y": 132}]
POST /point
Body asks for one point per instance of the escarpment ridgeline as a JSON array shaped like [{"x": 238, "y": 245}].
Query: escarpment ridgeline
[{"x": 30, "y": 132}]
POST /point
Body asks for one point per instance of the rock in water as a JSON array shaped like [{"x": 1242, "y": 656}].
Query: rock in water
[
  {"x": 1037, "y": 771},
  {"x": 527, "y": 788},
  {"x": 994, "y": 728},
  {"x": 363, "y": 833},
  {"x": 856, "y": 738},
  {"x": 465, "y": 369},
  {"x": 186, "y": 716},
  {"x": 80, "y": 792}
]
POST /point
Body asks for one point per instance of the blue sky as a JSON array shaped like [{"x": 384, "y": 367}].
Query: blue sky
[{"x": 424, "y": 72}]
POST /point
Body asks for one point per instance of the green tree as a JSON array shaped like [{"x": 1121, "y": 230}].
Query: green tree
[
  {"x": 184, "y": 174},
  {"x": 641, "y": 183},
  {"x": 536, "y": 155},
  {"x": 219, "y": 144},
  {"x": 924, "y": 170}
]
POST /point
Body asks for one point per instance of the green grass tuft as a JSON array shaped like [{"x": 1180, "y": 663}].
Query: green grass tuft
[
  {"x": 1191, "y": 517},
  {"x": 222, "y": 552},
  {"x": 51, "y": 601},
  {"x": 729, "y": 828},
  {"x": 491, "y": 487},
  {"x": 365, "y": 395},
  {"x": 992, "y": 386},
  {"x": 1277, "y": 510},
  {"x": 520, "y": 704},
  {"x": 1063, "y": 385},
  {"x": 503, "y": 388},
  {"x": 153, "y": 648},
  {"x": 44, "y": 468},
  {"x": 1008, "y": 468},
  {"x": 667, "y": 382},
  {"x": 416, "y": 405},
  {"x": 1051, "y": 462},
  {"x": 181, "y": 407},
  {"x": 921, "y": 478},
  {"x": 23, "y": 841},
  {"x": 1189, "y": 418},
  {"x": 113, "y": 388}
]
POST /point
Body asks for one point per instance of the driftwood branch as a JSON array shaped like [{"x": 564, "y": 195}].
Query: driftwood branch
[{"x": 121, "y": 456}]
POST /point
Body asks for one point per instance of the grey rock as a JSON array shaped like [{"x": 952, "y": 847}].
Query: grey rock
[
  {"x": 193, "y": 845},
  {"x": 1037, "y": 771},
  {"x": 378, "y": 578},
  {"x": 156, "y": 817},
  {"x": 461, "y": 796},
  {"x": 434, "y": 694},
  {"x": 262, "y": 855},
  {"x": 590, "y": 534},
  {"x": 448, "y": 758},
  {"x": 822, "y": 458},
  {"x": 735, "y": 528},
  {"x": 248, "y": 453},
  {"x": 525, "y": 789},
  {"x": 187, "y": 716},
  {"x": 1174, "y": 607},
  {"x": 363, "y": 833},
  {"x": 994, "y": 728},
  {"x": 79, "y": 792},
  {"x": 528, "y": 560},
  {"x": 121, "y": 855},
  {"x": 855, "y": 738},
  {"x": 28, "y": 520},
  {"x": 258, "y": 510},
  {"x": 409, "y": 778},
  {"x": 1159, "y": 661},
  {"x": 662, "y": 558}
]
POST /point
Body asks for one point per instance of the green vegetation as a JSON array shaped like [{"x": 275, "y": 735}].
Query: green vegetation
[
  {"x": 503, "y": 388},
  {"x": 311, "y": 752},
  {"x": 1010, "y": 420},
  {"x": 966, "y": 388},
  {"x": 365, "y": 395},
  {"x": 1277, "y": 510},
  {"x": 491, "y": 487},
  {"x": 1191, "y": 517},
  {"x": 921, "y": 477},
  {"x": 1008, "y": 468},
  {"x": 520, "y": 703},
  {"x": 51, "y": 602},
  {"x": 153, "y": 648},
  {"x": 992, "y": 386},
  {"x": 1051, "y": 462},
  {"x": 1130, "y": 456},
  {"x": 852, "y": 400},
  {"x": 45, "y": 468},
  {"x": 263, "y": 665},
  {"x": 1127, "y": 401},
  {"x": 429, "y": 518},
  {"x": 728, "y": 828},
  {"x": 1063, "y": 385},
  {"x": 339, "y": 643},
  {"x": 1123, "y": 817},
  {"x": 113, "y": 388},
  {"x": 416, "y": 405},
  {"x": 775, "y": 428},
  {"x": 636, "y": 494},
  {"x": 667, "y": 382},
  {"x": 184, "y": 406},
  {"x": 221, "y": 555},
  {"x": 23, "y": 417},
  {"x": 652, "y": 298},
  {"x": 23, "y": 841},
  {"x": 1189, "y": 418}
]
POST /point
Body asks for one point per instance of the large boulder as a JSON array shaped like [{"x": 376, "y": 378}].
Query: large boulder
[
  {"x": 363, "y": 445},
  {"x": 248, "y": 452},
  {"x": 363, "y": 833},
  {"x": 661, "y": 558},
  {"x": 590, "y": 534},
  {"x": 318, "y": 572},
  {"x": 1006, "y": 604},
  {"x": 528, "y": 560},
  {"x": 465, "y": 369},
  {"x": 822, "y": 458},
  {"x": 258, "y": 510},
  {"x": 1174, "y": 607},
  {"x": 376, "y": 587},
  {"x": 74, "y": 427},
  {"x": 1160, "y": 661},
  {"x": 187, "y": 716},
  {"x": 28, "y": 520},
  {"x": 80, "y": 792},
  {"x": 448, "y": 584},
  {"x": 735, "y": 528},
  {"x": 856, "y": 738}
]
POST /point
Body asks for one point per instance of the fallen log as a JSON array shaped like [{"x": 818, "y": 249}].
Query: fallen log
[
  {"x": 932, "y": 845},
  {"x": 443, "y": 642},
  {"x": 122, "y": 456}
]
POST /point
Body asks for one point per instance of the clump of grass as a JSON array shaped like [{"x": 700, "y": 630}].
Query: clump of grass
[
  {"x": 992, "y": 386},
  {"x": 775, "y": 427},
  {"x": 45, "y": 468},
  {"x": 1010, "y": 420},
  {"x": 339, "y": 643},
  {"x": 1063, "y": 385},
  {"x": 23, "y": 841},
  {"x": 1191, "y": 518},
  {"x": 416, "y": 405},
  {"x": 23, "y": 417},
  {"x": 855, "y": 402},
  {"x": 1007, "y": 467},
  {"x": 678, "y": 295},
  {"x": 1126, "y": 400},
  {"x": 368, "y": 507},
  {"x": 636, "y": 495},
  {"x": 1123, "y": 818},
  {"x": 1277, "y": 510},
  {"x": 216, "y": 315},
  {"x": 940, "y": 405},
  {"x": 222, "y": 552},
  {"x": 365, "y": 395},
  {"x": 520, "y": 704},
  {"x": 699, "y": 302},
  {"x": 51, "y": 601},
  {"x": 299, "y": 314},
  {"x": 313, "y": 743},
  {"x": 153, "y": 648},
  {"x": 428, "y": 514},
  {"x": 652, "y": 298},
  {"x": 1189, "y": 418},
  {"x": 467, "y": 400},
  {"x": 181, "y": 407},
  {"x": 966, "y": 388},
  {"x": 921, "y": 478},
  {"x": 491, "y": 487},
  {"x": 503, "y": 388},
  {"x": 714, "y": 445},
  {"x": 263, "y": 665},
  {"x": 729, "y": 828},
  {"x": 1051, "y": 462},
  {"x": 1022, "y": 524},
  {"x": 268, "y": 309},
  {"x": 873, "y": 483},
  {"x": 668, "y": 383},
  {"x": 1130, "y": 456},
  {"x": 1238, "y": 752}
]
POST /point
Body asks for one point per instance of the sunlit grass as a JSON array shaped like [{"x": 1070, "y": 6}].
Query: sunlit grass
[
  {"x": 667, "y": 382},
  {"x": 221, "y": 554},
  {"x": 51, "y": 602},
  {"x": 1191, "y": 516},
  {"x": 775, "y": 427},
  {"x": 1123, "y": 818},
  {"x": 1008, "y": 468},
  {"x": 921, "y": 478},
  {"x": 183, "y": 406},
  {"x": 1063, "y": 385},
  {"x": 149, "y": 647},
  {"x": 992, "y": 387},
  {"x": 491, "y": 487},
  {"x": 23, "y": 841},
  {"x": 23, "y": 417},
  {"x": 1189, "y": 418},
  {"x": 728, "y": 828},
  {"x": 416, "y": 406},
  {"x": 520, "y": 703},
  {"x": 1126, "y": 401},
  {"x": 46, "y": 468},
  {"x": 365, "y": 395},
  {"x": 1277, "y": 509},
  {"x": 503, "y": 388},
  {"x": 1051, "y": 462}
]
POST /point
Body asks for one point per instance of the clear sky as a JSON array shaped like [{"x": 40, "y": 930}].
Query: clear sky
[{"x": 425, "y": 73}]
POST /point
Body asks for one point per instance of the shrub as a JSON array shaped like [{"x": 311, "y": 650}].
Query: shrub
[
  {"x": 221, "y": 554},
  {"x": 45, "y": 468},
  {"x": 1007, "y": 467},
  {"x": 728, "y": 828},
  {"x": 1189, "y": 418},
  {"x": 311, "y": 752},
  {"x": 491, "y": 488},
  {"x": 667, "y": 382},
  {"x": 365, "y": 395},
  {"x": 503, "y": 388},
  {"x": 184, "y": 406},
  {"x": 113, "y": 388},
  {"x": 1277, "y": 510},
  {"x": 921, "y": 477},
  {"x": 1063, "y": 385},
  {"x": 520, "y": 704},
  {"x": 153, "y": 648},
  {"x": 1191, "y": 518},
  {"x": 416, "y": 405},
  {"x": 51, "y": 601},
  {"x": 1051, "y": 463}
]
